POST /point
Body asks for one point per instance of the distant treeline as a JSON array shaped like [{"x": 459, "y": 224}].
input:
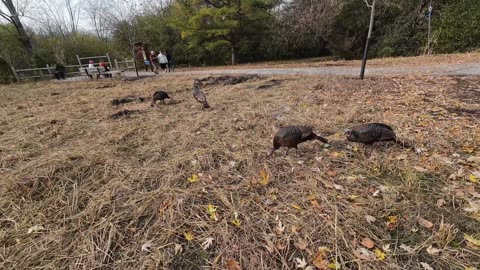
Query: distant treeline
[{"x": 212, "y": 32}]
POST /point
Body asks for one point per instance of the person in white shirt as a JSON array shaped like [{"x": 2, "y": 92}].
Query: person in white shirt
[{"x": 162, "y": 60}]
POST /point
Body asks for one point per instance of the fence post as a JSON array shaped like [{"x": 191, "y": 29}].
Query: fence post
[
  {"x": 116, "y": 64},
  {"x": 79, "y": 61},
  {"x": 49, "y": 71},
  {"x": 17, "y": 77},
  {"x": 109, "y": 61}
]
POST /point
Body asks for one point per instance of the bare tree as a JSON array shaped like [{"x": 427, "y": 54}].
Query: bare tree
[
  {"x": 13, "y": 17},
  {"x": 96, "y": 11}
]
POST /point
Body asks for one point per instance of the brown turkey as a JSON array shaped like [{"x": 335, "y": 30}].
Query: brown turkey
[
  {"x": 291, "y": 136},
  {"x": 370, "y": 133},
  {"x": 198, "y": 94},
  {"x": 160, "y": 95}
]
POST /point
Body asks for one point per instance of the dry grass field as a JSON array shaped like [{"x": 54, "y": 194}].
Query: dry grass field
[{"x": 178, "y": 187}]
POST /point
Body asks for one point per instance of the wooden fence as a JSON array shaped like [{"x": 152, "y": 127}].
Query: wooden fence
[{"x": 71, "y": 70}]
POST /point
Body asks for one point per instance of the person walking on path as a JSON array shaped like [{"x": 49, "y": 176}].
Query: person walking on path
[{"x": 163, "y": 61}]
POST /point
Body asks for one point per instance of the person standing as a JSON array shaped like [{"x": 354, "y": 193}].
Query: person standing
[
  {"x": 163, "y": 61},
  {"x": 154, "y": 61},
  {"x": 171, "y": 66}
]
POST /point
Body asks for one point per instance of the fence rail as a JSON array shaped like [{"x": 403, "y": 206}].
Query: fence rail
[{"x": 71, "y": 70}]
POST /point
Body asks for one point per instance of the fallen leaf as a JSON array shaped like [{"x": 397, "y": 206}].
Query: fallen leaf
[
  {"x": 300, "y": 263},
  {"x": 300, "y": 244},
  {"x": 193, "y": 178},
  {"x": 188, "y": 236},
  {"x": 426, "y": 266},
  {"x": 475, "y": 216},
  {"x": 376, "y": 193},
  {"x": 441, "y": 202},
  {"x": 473, "y": 178},
  {"x": 320, "y": 258},
  {"x": 367, "y": 242},
  {"x": 338, "y": 187},
  {"x": 232, "y": 264},
  {"x": 474, "y": 206},
  {"x": 280, "y": 228},
  {"x": 265, "y": 177},
  {"x": 401, "y": 157},
  {"x": 334, "y": 265},
  {"x": 379, "y": 254},
  {"x": 363, "y": 254},
  {"x": 392, "y": 222},
  {"x": 178, "y": 249},
  {"x": 406, "y": 248},
  {"x": 370, "y": 219},
  {"x": 472, "y": 240},
  {"x": 147, "y": 247},
  {"x": 207, "y": 243},
  {"x": 425, "y": 223},
  {"x": 432, "y": 251},
  {"x": 420, "y": 169},
  {"x": 35, "y": 228},
  {"x": 270, "y": 246},
  {"x": 237, "y": 222},
  {"x": 470, "y": 268},
  {"x": 386, "y": 248},
  {"x": 281, "y": 245},
  {"x": 212, "y": 211}
]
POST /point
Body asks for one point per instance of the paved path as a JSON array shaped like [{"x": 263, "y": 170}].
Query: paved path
[
  {"x": 431, "y": 70},
  {"x": 436, "y": 70}
]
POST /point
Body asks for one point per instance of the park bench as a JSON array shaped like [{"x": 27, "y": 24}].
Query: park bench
[{"x": 98, "y": 71}]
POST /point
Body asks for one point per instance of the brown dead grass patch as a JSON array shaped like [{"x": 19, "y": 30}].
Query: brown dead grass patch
[{"x": 101, "y": 188}]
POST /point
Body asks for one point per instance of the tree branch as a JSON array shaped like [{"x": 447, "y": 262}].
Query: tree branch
[
  {"x": 368, "y": 5},
  {"x": 5, "y": 16}
]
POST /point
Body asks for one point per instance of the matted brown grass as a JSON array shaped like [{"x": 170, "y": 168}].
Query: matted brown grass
[{"x": 99, "y": 188}]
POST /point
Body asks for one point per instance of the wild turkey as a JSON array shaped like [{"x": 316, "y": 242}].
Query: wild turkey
[
  {"x": 291, "y": 136},
  {"x": 160, "y": 95},
  {"x": 370, "y": 133},
  {"x": 198, "y": 94}
]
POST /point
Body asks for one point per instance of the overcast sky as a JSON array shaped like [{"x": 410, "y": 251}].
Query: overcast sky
[{"x": 40, "y": 12}]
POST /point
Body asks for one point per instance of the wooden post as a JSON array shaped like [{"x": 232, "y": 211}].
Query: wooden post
[
  {"x": 79, "y": 61},
  {"x": 49, "y": 71},
  {"x": 109, "y": 61},
  {"x": 15, "y": 74},
  {"x": 116, "y": 64}
]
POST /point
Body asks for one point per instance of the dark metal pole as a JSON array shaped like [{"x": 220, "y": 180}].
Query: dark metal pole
[
  {"x": 365, "y": 53},
  {"x": 429, "y": 27}
]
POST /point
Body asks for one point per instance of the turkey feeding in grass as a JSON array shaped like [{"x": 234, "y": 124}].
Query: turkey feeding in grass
[
  {"x": 160, "y": 95},
  {"x": 291, "y": 136},
  {"x": 370, "y": 133}
]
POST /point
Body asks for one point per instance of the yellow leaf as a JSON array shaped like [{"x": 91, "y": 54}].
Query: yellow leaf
[
  {"x": 470, "y": 268},
  {"x": 334, "y": 265},
  {"x": 265, "y": 177},
  {"x": 193, "y": 178},
  {"x": 212, "y": 211},
  {"x": 473, "y": 178},
  {"x": 472, "y": 240},
  {"x": 379, "y": 254},
  {"x": 237, "y": 222},
  {"x": 296, "y": 207},
  {"x": 188, "y": 236}
]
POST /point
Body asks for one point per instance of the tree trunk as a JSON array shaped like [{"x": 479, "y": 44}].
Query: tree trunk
[
  {"x": 234, "y": 55},
  {"x": 22, "y": 33}
]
